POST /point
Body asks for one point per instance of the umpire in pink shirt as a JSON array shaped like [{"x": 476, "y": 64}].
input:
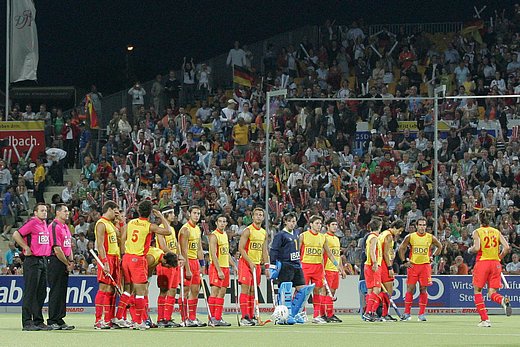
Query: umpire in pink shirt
[
  {"x": 34, "y": 238},
  {"x": 59, "y": 265}
]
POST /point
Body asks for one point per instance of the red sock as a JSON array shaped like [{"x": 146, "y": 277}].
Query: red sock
[
  {"x": 423, "y": 301},
  {"x": 183, "y": 307},
  {"x": 244, "y": 304},
  {"x": 145, "y": 315},
  {"x": 140, "y": 307},
  {"x": 497, "y": 298},
  {"x": 316, "y": 304},
  {"x": 99, "y": 301},
  {"x": 374, "y": 301},
  {"x": 107, "y": 307},
  {"x": 124, "y": 300},
  {"x": 168, "y": 307},
  {"x": 161, "y": 301},
  {"x": 330, "y": 307},
  {"x": 481, "y": 307},
  {"x": 219, "y": 307},
  {"x": 112, "y": 305},
  {"x": 326, "y": 306},
  {"x": 367, "y": 296},
  {"x": 131, "y": 307},
  {"x": 251, "y": 306},
  {"x": 386, "y": 303},
  {"x": 192, "y": 308},
  {"x": 408, "y": 301},
  {"x": 212, "y": 306}
]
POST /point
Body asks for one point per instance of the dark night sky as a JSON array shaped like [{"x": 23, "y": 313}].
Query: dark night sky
[{"x": 84, "y": 41}]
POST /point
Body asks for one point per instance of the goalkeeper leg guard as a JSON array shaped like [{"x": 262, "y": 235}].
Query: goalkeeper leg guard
[{"x": 300, "y": 297}]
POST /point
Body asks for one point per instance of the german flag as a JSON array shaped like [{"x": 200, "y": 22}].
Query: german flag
[
  {"x": 90, "y": 111},
  {"x": 242, "y": 76}
]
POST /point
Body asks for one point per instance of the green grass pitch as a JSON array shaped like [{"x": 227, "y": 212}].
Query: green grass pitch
[{"x": 438, "y": 331}]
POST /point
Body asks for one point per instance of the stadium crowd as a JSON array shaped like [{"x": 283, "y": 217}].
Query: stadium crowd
[{"x": 167, "y": 149}]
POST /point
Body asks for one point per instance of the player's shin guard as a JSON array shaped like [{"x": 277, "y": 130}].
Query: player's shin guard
[
  {"x": 140, "y": 307},
  {"x": 408, "y": 301},
  {"x": 123, "y": 303},
  {"x": 99, "y": 301},
  {"x": 316, "y": 304},
  {"x": 219, "y": 308},
  {"x": 244, "y": 304},
  {"x": 496, "y": 298},
  {"x": 169, "y": 301},
  {"x": 192, "y": 308},
  {"x": 212, "y": 306},
  {"x": 386, "y": 303},
  {"x": 481, "y": 307},
  {"x": 423, "y": 302},
  {"x": 161, "y": 303}
]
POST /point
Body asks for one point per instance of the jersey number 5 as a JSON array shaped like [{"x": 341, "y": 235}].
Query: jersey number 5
[
  {"x": 490, "y": 242},
  {"x": 135, "y": 235}
]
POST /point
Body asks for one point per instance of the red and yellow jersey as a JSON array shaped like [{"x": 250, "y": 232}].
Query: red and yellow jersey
[
  {"x": 222, "y": 249},
  {"x": 381, "y": 239},
  {"x": 156, "y": 254},
  {"x": 312, "y": 247},
  {"x": 171, "y": 240},
  {"x": 255, "y": 243},
  {"x": 138, "y": 236},
  {"x": 193, "y": 240},
  {"x": 379, "y": 252},
  {"x": 420, "y": 246},
  {"x": 110, "y": 242},
  {"x": 335, "y": 248},
  {"x": 489, "y": 243}
]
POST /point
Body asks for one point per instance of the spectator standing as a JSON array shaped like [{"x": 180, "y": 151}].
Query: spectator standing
[
  {"x": 34, "y": 238},
  {"x": 137, "y": 93},
  {"x": 236, "y": 56},
  {"x": 39, "y": 181},
  {"x": 172, "y": 87},
  {"x": 157, "y": 92},
  {"x": 59, "y": 265}
]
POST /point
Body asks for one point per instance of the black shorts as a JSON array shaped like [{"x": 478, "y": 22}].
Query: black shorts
[{"x": 289, "y": 273}]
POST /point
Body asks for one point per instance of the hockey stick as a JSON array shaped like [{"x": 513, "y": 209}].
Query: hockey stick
[
  {"x": 394, "y": 306},
  {"x": 203, "y": 286},
  {"x": 257, "y": 307},
  {"x": 329, "y": 292},
  {"x": 181, "y": 298},
  {"x": 506, "y": 285},
  {"x": 237, "y": 307},
  {"x": 273, "y": 294},
  {"x": 100, "y": 263}
]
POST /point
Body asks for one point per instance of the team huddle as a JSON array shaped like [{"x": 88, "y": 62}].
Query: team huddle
[{"x": 307, "y": 263}]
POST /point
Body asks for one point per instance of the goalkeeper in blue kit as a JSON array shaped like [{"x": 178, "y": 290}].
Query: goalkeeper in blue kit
[{"x": 287, "y": 270}]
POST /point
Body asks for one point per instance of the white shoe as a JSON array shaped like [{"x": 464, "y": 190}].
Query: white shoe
[
  {"x": 141, "y": 326},
  {"x": 121, "y": 323},
  {"x": 484, "y": 324},
  {"x": 319, "y": 320},
  {"x": 506, "y": 304}
]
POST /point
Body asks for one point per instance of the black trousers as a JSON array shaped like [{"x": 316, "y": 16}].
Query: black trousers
[
  {"x": 38, "y": 194},
  {"x": 58, "y": 279},
  {"x": 35, "y": 291}
]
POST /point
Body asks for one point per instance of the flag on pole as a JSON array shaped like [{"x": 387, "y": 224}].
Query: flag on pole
[
  {"x": 91, "y": 113},
  {"x": 23, "y": 41},
  {"x": 242, "y": 76}
]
